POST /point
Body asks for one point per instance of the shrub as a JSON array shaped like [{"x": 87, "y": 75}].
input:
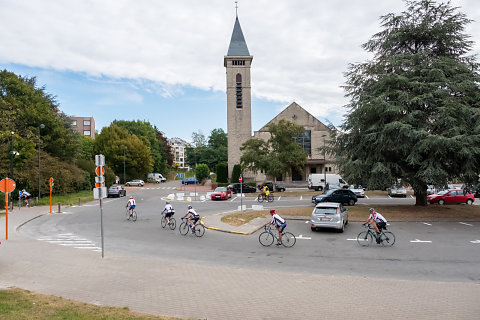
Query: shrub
[
  {"x": 237, "y": 170},
  {"x": 222, "y": 172},
  {"x": 202, "y": 172}
]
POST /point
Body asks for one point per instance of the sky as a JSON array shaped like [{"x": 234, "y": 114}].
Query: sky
[{"x": 162, "y": 61}]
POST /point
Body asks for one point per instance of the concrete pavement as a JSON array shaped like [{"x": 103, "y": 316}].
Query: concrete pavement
[{"x": 208, "y": 291}]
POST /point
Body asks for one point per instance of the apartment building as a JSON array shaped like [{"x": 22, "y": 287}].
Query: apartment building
[{"x": 84, "y": 126}]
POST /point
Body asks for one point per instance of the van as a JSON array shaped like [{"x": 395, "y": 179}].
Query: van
[
  {"x": 156, "y": 177},
  {"x": 316, "y": 181}
]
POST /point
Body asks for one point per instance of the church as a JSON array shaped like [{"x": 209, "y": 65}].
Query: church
[{"x": 238, "y": 62}]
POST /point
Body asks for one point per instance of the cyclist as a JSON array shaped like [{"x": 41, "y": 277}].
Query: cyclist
[
  {"x": 280, "y": 224},
  {"x": 131, "y": 205},
  {"x": 168, "y": 211},
  {"x": 192, "y": 217},
  {"x": 26, "y": 197},
  {"x": 378, "y": 221},
  {"x": 265, "y": 192}
]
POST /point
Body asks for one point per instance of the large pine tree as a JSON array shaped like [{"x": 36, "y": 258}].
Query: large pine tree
[{"x": 414, "y": 110}]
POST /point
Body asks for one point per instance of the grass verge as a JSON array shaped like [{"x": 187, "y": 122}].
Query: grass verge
[
  {"x": 68, "y": 199},
  {"x": 360, "y": 212},
  {"x": 22, "y": 304}
]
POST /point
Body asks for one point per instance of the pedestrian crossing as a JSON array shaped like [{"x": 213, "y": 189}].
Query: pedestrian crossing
[
  {"x": 71, "y": 240},
  {"x": 160, "y": 188}
]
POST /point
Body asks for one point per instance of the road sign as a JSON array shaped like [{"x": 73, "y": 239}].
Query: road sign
[
  {"x": 99, "y": 193},
  {"x": 7, "y": 185},
  {"x": 180, "y": 175},
  {"x": 100, "y": 171},
  {"x": 239, "y": 179},
  {"x": 51, "y": 182},
  {"x": 99, "y": 160}
]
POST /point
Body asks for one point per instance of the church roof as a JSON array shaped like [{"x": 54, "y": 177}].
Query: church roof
[{"x": 238, "y": 46}]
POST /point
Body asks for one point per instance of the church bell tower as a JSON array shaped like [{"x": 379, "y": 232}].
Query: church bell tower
[{"x": 239, "y": 109}]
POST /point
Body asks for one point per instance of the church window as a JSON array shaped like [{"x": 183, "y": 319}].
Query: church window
[
  {"x": 239, "y": 90},
  {"x": 238, "y": 62},
  {"x": 305, "y": 140}
]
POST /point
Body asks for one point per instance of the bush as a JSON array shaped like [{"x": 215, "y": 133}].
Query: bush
[
  {"x": 222, "y": 172},
  {"x": 202, "y": 172},
  {"x": 237, "y": 170}
]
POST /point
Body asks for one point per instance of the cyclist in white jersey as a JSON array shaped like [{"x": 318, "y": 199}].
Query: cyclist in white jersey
[
  {"x": 192, "y": 217},
  {"x": 131, "y": 205},
  {"x": 168, "y": 211},
  {"x": 377, "y": 220},
  {"x": 279, "y": 223}
]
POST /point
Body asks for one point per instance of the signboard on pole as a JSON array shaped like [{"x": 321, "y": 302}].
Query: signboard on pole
[
  {"x": 51, "y": 187},
  {"x": 100, "y": 191},
  {"x": 7, "y": 185},
  {"x": 240, "y": 179}
]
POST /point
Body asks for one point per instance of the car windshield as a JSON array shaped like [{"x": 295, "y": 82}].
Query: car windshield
[
  {"x": 329, "y": 192},
  {"x": 443, "y": 192},
  {"x": 220, "y": 189},
  {"x": 325, "y": 210}
]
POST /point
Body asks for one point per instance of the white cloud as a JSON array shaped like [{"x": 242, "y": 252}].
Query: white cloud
[{"x": 301, "y": 48}]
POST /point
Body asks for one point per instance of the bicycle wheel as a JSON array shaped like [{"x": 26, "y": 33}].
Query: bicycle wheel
[
  {"x": 183, "y": 228},
  {"x": 265, "y": 238},
  {"x": 199, "y": 230},
  {"x": 288, "y": 239},
  {"x": 387, "y": 239},
  {"x": 364, "y": 238},
  {"x": 128, "y": 214},
  {"x": 260, "y": 198},
  {"x": 134, "y": 216},
  {"x": 270, "y": 198},
  {"x": 172, "y": 223},
  {"x": 163, "y": 222}
]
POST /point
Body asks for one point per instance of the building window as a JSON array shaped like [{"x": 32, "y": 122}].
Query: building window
[
  {"x": 238, "y": 62},
  {"x": 86, "y": 133},
  {"x": 239, "y": 90},
  {"x": 74, "y": 122},
  {"x": 305, "y": 140},
  {"x": 86, "y": 122}
]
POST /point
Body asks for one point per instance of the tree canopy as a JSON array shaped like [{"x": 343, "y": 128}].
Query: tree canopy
[
  {"x": 414, "y": 110},
  {"x": 279, "y": 154},
  {"x": 211, "y": 153}
]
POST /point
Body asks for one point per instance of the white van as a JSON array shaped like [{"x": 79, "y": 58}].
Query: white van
[
  {"x": 317, "y": 180},
  {"x": 156, "y": 177}
]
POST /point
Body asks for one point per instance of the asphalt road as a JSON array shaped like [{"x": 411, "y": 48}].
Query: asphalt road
[{"x": 446, "y": 251}]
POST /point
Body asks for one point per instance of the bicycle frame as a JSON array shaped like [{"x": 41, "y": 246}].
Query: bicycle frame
[{"x": 269, "y": 230}]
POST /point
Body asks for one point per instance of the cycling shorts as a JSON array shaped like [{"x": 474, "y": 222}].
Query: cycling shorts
[
  {"x": 169, "y": 214},
  {"x": 381, "y": 225},
  {"x": 282, "y": 227},
  {"x": 132, "y": 207},
  {"x": 194, "y": 219}
]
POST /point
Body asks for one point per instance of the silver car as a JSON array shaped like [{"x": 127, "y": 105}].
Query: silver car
[
  {"x": 397, "y": 191},
  {"x": 358, "y": 190},
  {"x": 138, "y": 183},
  {"x": 329, "y": 215}
]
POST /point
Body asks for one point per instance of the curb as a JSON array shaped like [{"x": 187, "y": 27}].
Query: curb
[{"x": 25, "y": 222}]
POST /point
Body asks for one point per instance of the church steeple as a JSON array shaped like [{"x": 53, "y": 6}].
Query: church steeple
[{"x": 238, "y": 46}]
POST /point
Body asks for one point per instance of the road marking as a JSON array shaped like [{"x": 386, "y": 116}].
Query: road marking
[
  {"x": 308, "y": 221},
  {"x": 302, "y": 237},
  {"x": 301, "y": 197},
  {"x": 475, "y": 241},
  {"x": 233, "y": 199},
  {"x": 420, "y": 241},
  {"x": 352, "y": 239},
  {"x": 279, "y": 198},
  {"x": 367, "y": 197},
  {"x": 412, "y": 197},
  {"x": 467, "y": 224},
  {"x": 428, "y": 224}
]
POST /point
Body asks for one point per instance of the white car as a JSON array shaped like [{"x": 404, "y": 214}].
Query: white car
[
  {"x": 397, "y": 191},
  {"x": 329, "y": 215},
  {"x": 358, "y": 190},
  {"x": 138, "y": 183}
]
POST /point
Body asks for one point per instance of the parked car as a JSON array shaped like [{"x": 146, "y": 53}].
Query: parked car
[
  {"x": 116, "y": 191},
  {"x": 397, "y": 191},
  {"x": 329, "y": 215},
  {"x": 333, "y": 186},
  {"x": 451, "y": 196},
  {"x": 190, "y": 181},
  {"x": 271, "y": 186},
  {"x": 138, "y": 183},
  {"x": 339, "y": 196},
  {"x": 358, "y": 190},
  {"x": 221, "y": 193},
  {"x": 235, "y": 187}
]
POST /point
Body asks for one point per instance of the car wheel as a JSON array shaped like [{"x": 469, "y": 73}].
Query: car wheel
[
  {"x": 441, "y": 201},
  {"x": 313, "y": 228},
  {"x": 469, "y": 201},
  {"x": 351, "y": 202},
  {"x": 342, "y": 229}
]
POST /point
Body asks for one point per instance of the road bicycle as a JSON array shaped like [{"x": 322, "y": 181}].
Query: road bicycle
[
  {"x": 198, "y": 229},
  {"x": 132, "y": 215},
  {"x": 261, "y": 197},
  {"x": 365, "y": 238},
  {"x": 171, "y": 223},
  {"x": 266, "y": 237}
]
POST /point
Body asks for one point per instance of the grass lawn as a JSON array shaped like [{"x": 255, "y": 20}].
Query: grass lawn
[
  {"x": 360, "y": 213},
  {"x": 21, "y": 304}
]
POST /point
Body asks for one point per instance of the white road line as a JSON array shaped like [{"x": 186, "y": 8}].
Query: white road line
[
  {"x": 301, "y": 197},
  {"x": 84, "y": 245},
  {"x": 352, "y": 239},
  {"x": 412, "y": 197},
  {"x": 420, "y": 241},
  {"x": 475, "y": 241},
  {"x": 307, "y": 221},
  {"x": 302, "y": 237},
  {"x": 233, "y": 199},
  {"x": 367, "y": 197},
  {"x": 467, "y": 224},
  {"x": 428, "y": 224}
]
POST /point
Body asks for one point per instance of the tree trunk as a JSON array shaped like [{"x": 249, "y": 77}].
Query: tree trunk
[{"x": 420, "y": 189}]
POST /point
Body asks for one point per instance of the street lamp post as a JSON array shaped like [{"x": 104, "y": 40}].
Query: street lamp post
[
  {"x": 41, "y": 126},
  {"x": 324, "y": 162},
  {"x": 11, "y": 156},
  {"x": 124, "y": 148}
]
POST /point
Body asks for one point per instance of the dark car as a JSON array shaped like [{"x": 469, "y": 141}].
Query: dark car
[
  {"x": 116, "y": 191},
  {"x": 339, "y": 196},
  {"x": 190, "y": 181},
  {"x": 245, "y": 188},
  {"x": 271, "y": 186}
]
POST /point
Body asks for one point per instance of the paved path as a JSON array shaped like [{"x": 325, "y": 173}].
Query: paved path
[{"x": 207, "y": 291}]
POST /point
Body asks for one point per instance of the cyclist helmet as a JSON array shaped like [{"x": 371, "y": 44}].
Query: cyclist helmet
[
  {"x": 131, "y": 197},
  {"x": 371, "y": 210},
  {"x": 272, "y": 211},
  {"x": 190, "y": 207},
  {"x": 168, "y": 202}
]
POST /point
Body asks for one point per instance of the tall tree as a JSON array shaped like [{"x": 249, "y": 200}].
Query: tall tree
[
  {"x": 279, "y": 154},
  {"x": 212, "y": 152},
  {"x": 415, "y": 107}
]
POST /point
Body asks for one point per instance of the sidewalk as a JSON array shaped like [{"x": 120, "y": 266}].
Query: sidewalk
[{"x": 187, "y": 289}]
